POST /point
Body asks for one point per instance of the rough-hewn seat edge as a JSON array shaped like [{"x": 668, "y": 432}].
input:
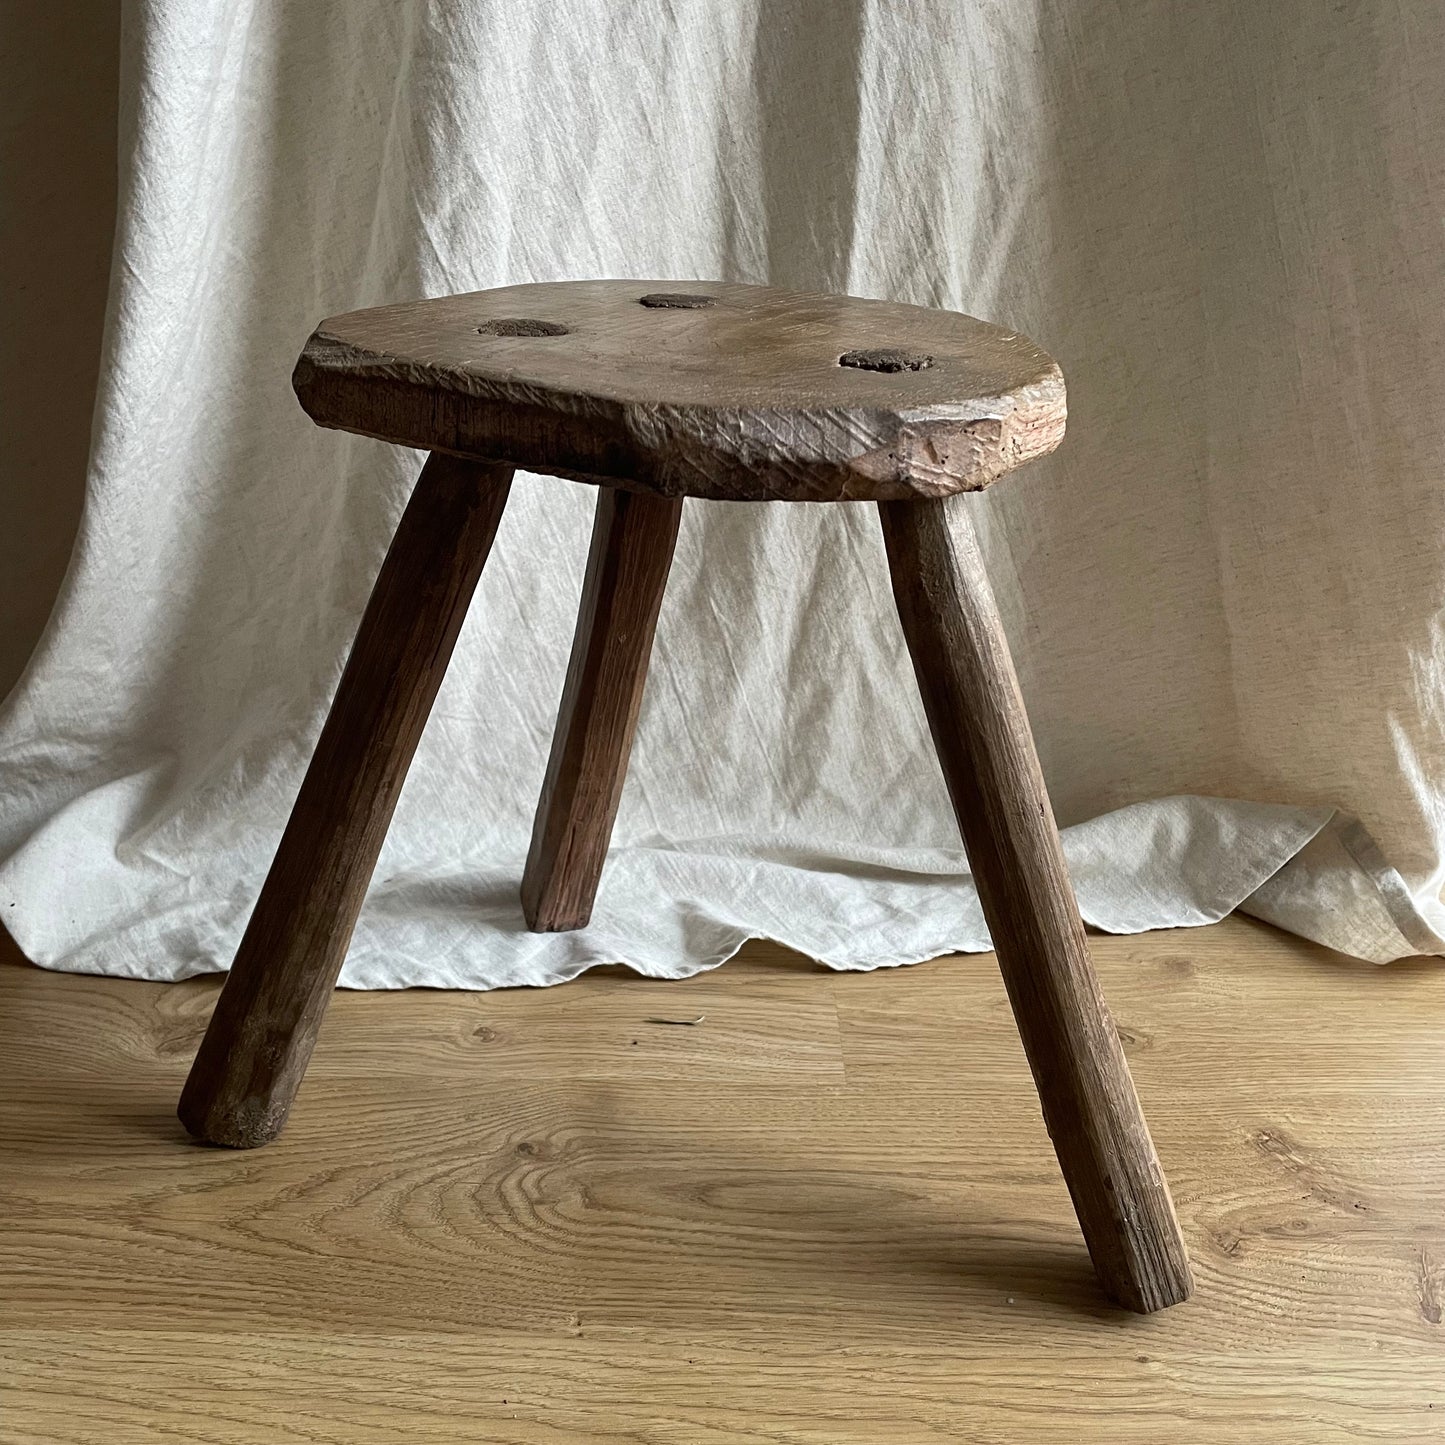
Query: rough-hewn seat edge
[{"x": 852, "y": 455}]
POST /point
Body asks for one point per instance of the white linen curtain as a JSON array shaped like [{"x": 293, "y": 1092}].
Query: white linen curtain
[{"x": 1224, "y": 593}]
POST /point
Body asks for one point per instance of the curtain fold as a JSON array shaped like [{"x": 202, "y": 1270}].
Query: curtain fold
[{"x": 1224, "y": 593}]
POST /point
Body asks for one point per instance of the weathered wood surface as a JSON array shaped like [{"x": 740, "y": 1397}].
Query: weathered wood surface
[
  {"x": 255, "y": 1051},
  {"x": 693, "y": 388},
  {"x": 633, "y": 537},
  {"x": 976, "y": 716},
  {"x": 828, "y": 1215}
]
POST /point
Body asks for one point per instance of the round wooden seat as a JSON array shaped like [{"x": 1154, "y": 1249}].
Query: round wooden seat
[{"x": 703, "y": 389}]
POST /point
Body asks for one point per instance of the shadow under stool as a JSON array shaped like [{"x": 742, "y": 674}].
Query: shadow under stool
[{"x": 652, "y": 394}]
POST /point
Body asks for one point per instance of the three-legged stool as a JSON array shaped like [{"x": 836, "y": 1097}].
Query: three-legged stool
[{"x": 742, "y": 393}]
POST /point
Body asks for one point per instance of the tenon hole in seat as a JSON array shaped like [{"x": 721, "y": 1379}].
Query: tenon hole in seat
[
  {"x": 520, "y": 326},
  {"x": 885, "y": 359},
  {"x": 675, "y": 301}
]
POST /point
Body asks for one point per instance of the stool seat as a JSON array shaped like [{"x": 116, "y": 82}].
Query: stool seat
[{"x": 702, "y": 389}]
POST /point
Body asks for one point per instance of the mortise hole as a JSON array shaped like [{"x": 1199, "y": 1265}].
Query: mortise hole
[
  {"x": 521, "y": 326},
  {"x": 675, "y": 301},
  {"x": 886, "y": 358}
]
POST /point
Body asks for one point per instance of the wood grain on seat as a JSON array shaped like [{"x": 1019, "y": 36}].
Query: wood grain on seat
[{"x": 742, "y": 393}]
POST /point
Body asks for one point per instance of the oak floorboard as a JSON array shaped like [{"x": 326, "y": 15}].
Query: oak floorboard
[
  {"x": 756, "y": 1026},
  {"x": 827, "y": 1213}
]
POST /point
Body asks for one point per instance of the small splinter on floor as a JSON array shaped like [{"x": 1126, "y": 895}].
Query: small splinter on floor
[{"x": 681, "y": 1023}]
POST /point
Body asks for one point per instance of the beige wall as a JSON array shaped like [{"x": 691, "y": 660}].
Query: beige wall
[{"x": 58, "y": 66}]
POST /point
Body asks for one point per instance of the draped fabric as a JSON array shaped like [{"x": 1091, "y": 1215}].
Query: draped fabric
[{"x": 1223, "y": 593}]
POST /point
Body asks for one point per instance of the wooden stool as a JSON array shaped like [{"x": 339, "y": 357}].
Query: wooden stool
[{"x": 653, "y": 394}]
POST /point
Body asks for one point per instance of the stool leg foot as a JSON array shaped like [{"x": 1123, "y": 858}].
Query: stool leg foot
[
  {"x": 632, "y": 543},
  {"x": 264, "y": 1026},
  {"x": 981, "y": 733}
]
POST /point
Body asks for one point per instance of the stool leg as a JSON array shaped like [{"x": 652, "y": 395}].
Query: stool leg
[
  {"x": 976, "y": 715},
  {"x": 264, "y": 1026},
  {"x": 632, "y": 542}
]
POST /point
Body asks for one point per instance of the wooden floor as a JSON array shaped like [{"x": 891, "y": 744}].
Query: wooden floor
[{"x": 828, "y": 1213}]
